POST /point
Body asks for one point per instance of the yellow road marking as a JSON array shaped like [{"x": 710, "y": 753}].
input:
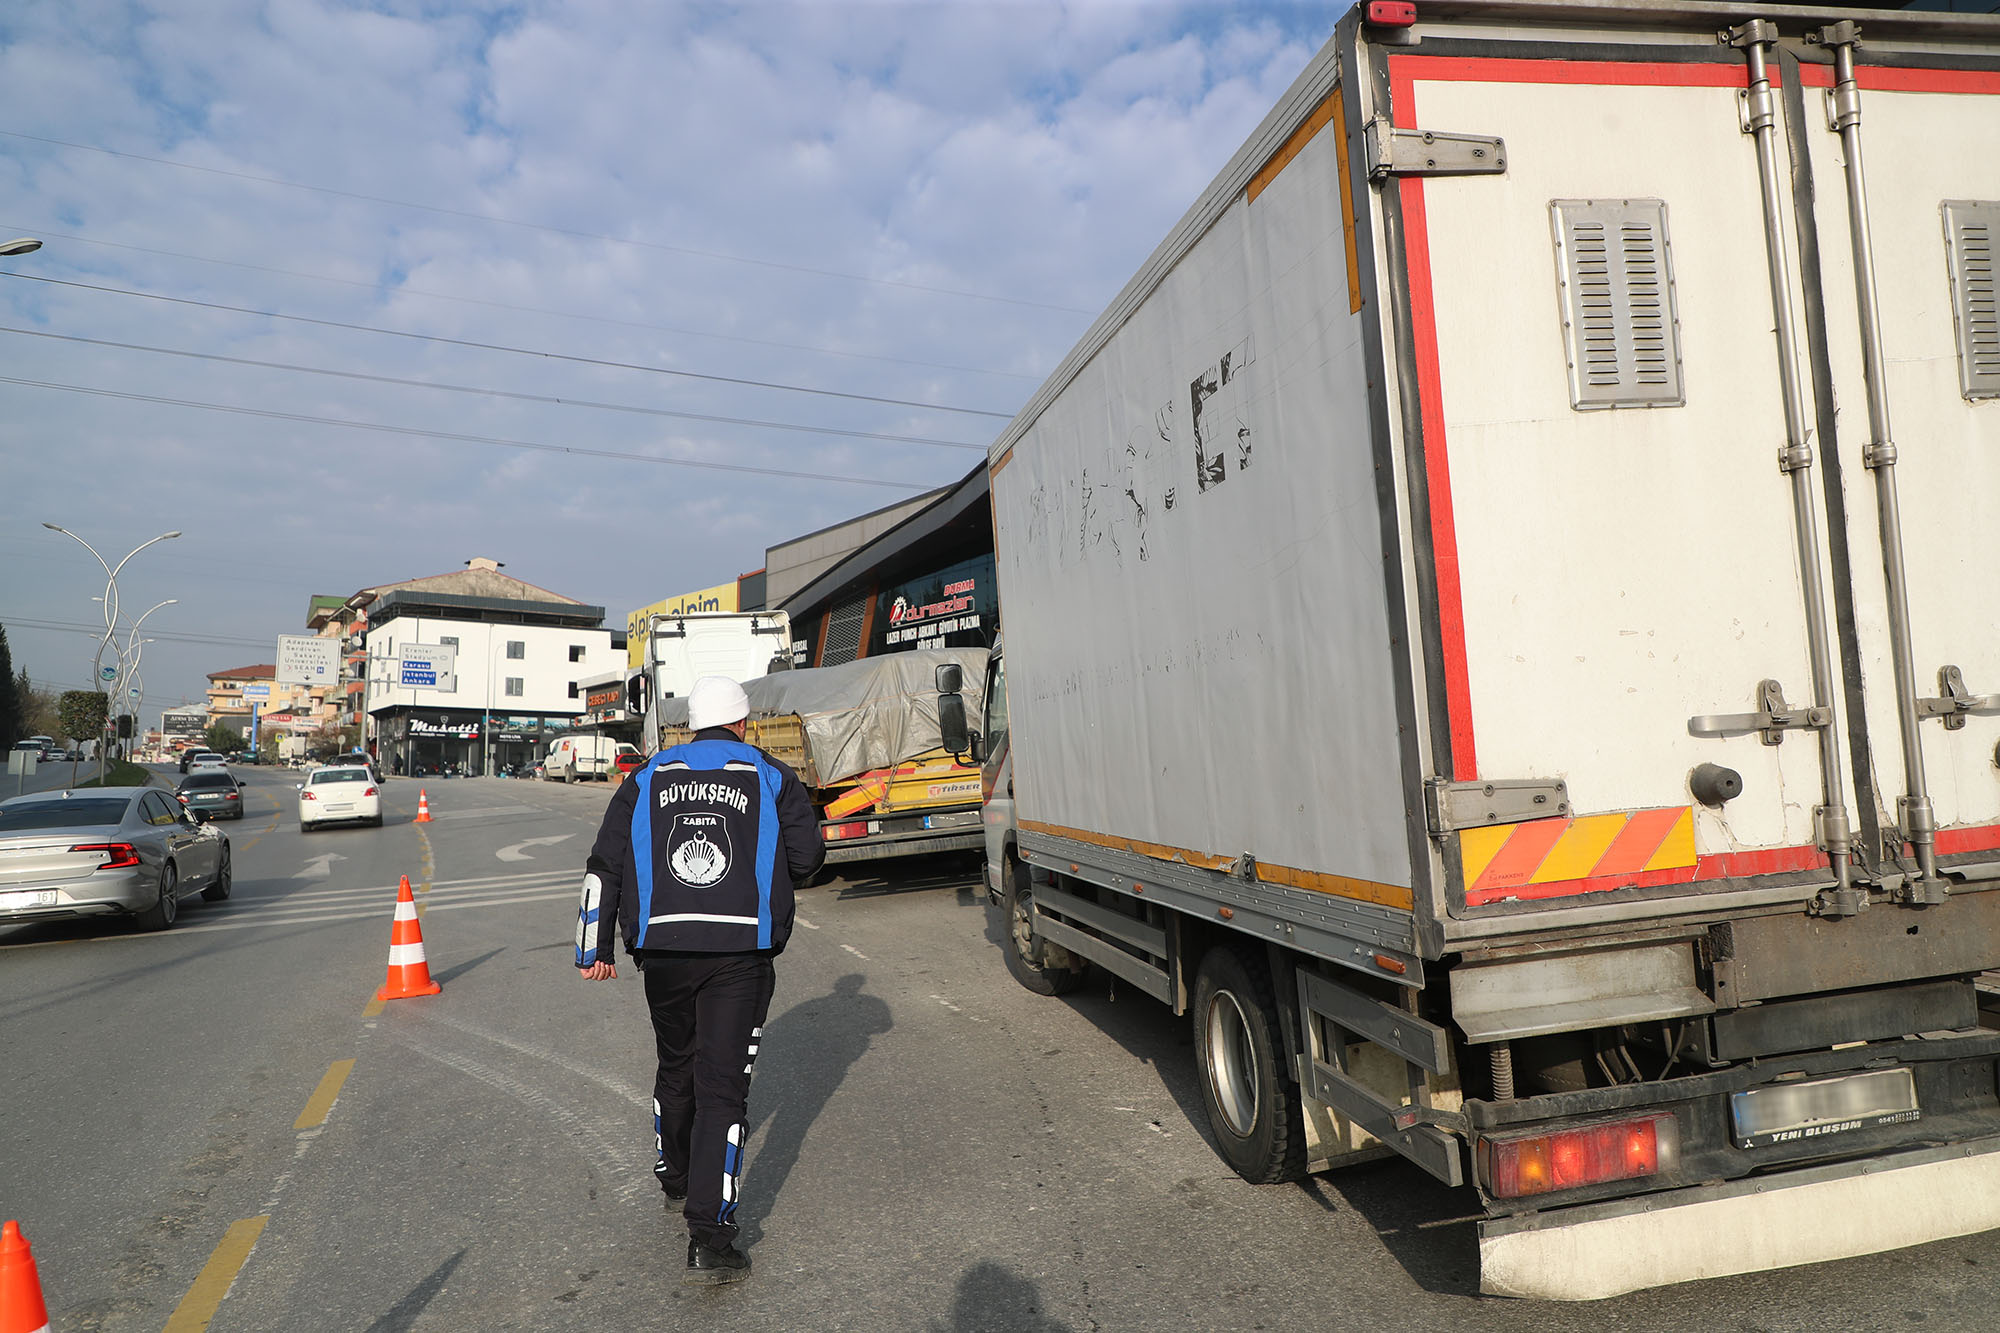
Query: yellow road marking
[
  {"x": 321, "y": 1102},
  {"x": 373, "y": 1008},
  {"x": 261, "y": 832},
  {"x": 205, "y": 1296}
]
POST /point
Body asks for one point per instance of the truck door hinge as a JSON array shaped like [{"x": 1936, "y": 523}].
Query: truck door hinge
[
  {"x": 1399, "y": 152},
  {"x": 1958, "y": 702},
  {"x": 1463, "y": 805},
  {"x": 1774, "y": 720}
]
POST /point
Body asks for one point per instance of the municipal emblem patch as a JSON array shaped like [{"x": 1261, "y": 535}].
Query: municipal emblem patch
[{"x": 698, "y": 849}]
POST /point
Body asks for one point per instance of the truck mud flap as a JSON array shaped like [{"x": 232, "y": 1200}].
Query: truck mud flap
[{"x": 1808, "y": 1216}]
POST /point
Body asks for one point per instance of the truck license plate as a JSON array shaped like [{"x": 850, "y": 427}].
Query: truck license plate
[{"x": 1792, "y": 1112}]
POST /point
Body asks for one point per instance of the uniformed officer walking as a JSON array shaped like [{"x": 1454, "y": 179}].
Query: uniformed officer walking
[{"x": 694, "y": 865}]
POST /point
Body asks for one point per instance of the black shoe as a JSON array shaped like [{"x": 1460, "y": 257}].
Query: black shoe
[
  {"x": 714, "y": 1267},
  {"x": 676, "y": 1197}
]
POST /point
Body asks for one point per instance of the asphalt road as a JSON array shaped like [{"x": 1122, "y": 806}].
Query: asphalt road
[{"x": 216, "y": 1127}]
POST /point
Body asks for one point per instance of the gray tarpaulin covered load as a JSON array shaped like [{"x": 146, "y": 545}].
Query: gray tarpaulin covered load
[{"x": 865, "y": 714}]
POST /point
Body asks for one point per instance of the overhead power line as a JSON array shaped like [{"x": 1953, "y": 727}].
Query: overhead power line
[
  {"x": 504, "y": 221},
  {"x": 48, "y": 234},
  {"x": 532, "y": 445},
  {"x": 165, "y": 635},
  {"x": 502, "y": 347},
  {"x": 491, "y": 393}
]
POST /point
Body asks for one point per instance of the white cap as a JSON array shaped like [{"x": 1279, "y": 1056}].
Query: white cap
[{"x": 716, "y": 701}]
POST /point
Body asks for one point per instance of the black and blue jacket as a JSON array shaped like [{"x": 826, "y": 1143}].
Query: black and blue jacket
[{"x": 698, "y": 853}]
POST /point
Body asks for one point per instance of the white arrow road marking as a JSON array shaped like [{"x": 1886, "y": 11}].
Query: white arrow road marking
[
  {"x": 320, "y": 867},
  {"x": 513, "y": 851}
]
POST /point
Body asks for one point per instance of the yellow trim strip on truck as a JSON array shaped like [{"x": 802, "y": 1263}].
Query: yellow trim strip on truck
[{"x": 1315, "y": 881}]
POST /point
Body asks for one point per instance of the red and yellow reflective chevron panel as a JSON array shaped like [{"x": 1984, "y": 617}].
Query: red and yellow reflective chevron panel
[{"x": 1553, "y": 858}]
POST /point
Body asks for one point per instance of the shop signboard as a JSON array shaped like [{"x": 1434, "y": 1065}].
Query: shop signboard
[
  {"x": 307, "y": 659},
  {"x": 722, "y": 597},
  {"x": 444, "y": 729},
  {"x": 956, "y": 607}
]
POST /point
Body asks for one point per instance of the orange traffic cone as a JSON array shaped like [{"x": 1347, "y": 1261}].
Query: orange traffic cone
[
  {"x": 423, "y": 807},
  {"x": 409, "y": 974},
  {"x": 21, "y": 1307}
]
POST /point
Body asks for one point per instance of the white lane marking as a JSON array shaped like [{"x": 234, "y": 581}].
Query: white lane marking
[
  {"x": 947, "y": 1004},
  {"x": 856, "y": 952},
  {"x": 625, "y": 1090},
  {"x": 514, "y": 852},
  {"x": 807, "y": 924},
  {"x": 276, "y": 921},
  {"x": 316, "y": 899},
  {"x": 490, "y": 811},
  {"x": 320, "y": 867},
  {"x": 613, "y": 1157}
]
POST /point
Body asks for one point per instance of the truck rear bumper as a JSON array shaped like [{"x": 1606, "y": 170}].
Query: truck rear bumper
[
  {"x": 905, "y": 845},
  {"x": 1836, "y": 1211}
]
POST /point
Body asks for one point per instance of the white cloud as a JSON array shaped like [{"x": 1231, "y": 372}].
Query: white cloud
[{"x": 859, "y": 153}]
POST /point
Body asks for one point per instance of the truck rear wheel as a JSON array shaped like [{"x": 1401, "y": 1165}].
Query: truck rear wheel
[
  {"x": 1040, "y": 966},
  {"x": 1253, "y": 1105}
]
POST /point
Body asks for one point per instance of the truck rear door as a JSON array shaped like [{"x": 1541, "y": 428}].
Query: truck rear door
[
  {"x": 1904, "y": 150},
  {"x": 1615, "y": 492}
]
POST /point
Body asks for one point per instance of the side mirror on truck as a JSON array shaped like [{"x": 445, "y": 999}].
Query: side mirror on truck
[
  {"x": 958, "y": 738},
  {"x": 637, "y": 688}
]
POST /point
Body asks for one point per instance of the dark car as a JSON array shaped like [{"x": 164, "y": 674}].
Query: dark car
[
  {"x": 211, "y": 795},
  {"x": 358, "y": 761}
]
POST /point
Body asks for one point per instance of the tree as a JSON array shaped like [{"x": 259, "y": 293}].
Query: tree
[
  {"x": 222, "y": 739},
  {"x": 81, "y": 714},
  {"x": 38, "y": 716},
  {"x": 10, "y": 700}
]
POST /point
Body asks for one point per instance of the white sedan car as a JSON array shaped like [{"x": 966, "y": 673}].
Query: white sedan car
[{"x": 339, "y": 795}]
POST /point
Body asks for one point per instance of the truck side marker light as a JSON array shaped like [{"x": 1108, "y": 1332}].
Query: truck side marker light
[
  {"x": 1391, "y": 13},
  {"x": 1226, "y": 913},
  {"x": 1137, "y": 887},
  {"x": 1388, "y": 964},
  {"x": 1569, "y": 1159}
]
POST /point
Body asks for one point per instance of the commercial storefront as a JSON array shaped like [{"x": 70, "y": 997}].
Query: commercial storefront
[
  {"x": 926, "y": 582},
  {"x": 450, "y": 742}
]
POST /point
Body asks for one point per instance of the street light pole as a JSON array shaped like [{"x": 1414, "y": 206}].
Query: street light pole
[{"x": 110, "y": 581}]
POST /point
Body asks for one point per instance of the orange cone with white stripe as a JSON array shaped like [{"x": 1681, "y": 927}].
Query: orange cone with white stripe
[
  {"x": 21, "y": 1307},
  {"x": 423, "y": 807},
  {"x": 409, "y": 974}
]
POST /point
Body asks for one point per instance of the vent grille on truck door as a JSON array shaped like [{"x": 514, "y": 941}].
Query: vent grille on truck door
[
  {"x": 1971, "y": 232},
  {"x": 1621, "y": 331}
]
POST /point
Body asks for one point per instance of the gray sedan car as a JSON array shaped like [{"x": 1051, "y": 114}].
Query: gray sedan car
[{"x": 116, "y": 851}]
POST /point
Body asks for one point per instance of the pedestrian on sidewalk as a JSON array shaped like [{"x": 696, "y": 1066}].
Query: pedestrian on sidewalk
[{"x": 694, "y": 865}]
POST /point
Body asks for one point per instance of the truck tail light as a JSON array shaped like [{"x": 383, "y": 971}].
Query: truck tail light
[
  {"x": 837, "y": 832},
  {"x": 1567, "y": 1159},
  {"x": 117, "y": 855},
  {"x": 1391, "y": 13}
]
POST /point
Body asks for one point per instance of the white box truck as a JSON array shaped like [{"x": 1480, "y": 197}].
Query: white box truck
[
  {"x": 741, "y": 645},
  {"x": 1500, "y": 631}
]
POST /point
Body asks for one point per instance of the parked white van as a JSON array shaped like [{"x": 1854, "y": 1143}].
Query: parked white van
[{"x": 588, "y": 756}]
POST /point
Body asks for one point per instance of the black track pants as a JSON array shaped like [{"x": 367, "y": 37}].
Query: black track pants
[{"x": 708, "y": 1016}]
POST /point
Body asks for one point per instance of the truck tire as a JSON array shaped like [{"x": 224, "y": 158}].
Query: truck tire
[
  {"x": 1029, "y": 958},
  {"x": 1253, "y": 1104}
]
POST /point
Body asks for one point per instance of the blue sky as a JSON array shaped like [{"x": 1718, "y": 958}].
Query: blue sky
[{"x": 923, "y": 203}]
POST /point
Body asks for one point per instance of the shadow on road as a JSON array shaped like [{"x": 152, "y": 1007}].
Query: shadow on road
[
  {"x": 460, "y": 969},
  {"x": 993, "y": 1299},
  {"x": 402, "y": 1316},
  {"x": 820, "y": 1040},
  {"x": 915, "y": 874},
  {"x": 1425, "y": 1225}
]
